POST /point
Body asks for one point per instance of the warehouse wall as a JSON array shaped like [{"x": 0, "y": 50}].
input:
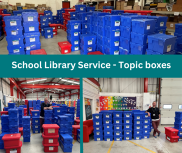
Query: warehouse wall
[{"x": 41, "y": 96}]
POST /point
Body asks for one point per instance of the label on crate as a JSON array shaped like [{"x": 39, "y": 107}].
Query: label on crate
[
  {"x": 127, "y": 126},
  {"x": 98, "y": 139},
  {"x": 36, "y": 127},
  {"x": 139, "y": 48},
  {"x": 127, "y": 133},
  {"x": 138, "y": 132},
  {"x": 81, "y": 8},
  {"x": 59, "y": 27},
  {"x": 85, "y": 18},
  {"x": 36, "y": 121},
  {"x": 30, "y": 18},
  {"x": 51, "y": 148},
  {"x": 146, "y": 121},
  {"x": 116, "y": 52},
  {"x": 138, "y": 117},
  {"x": 117, "y": 115},
  {"x": 76, "y": 48},
  {"x": 107, "y": 122},
  {"x": 97, "y": 128},
  {"x": 75, "y": 26},
  {"x": 15, "y": 42},
  {"x": 50, "y": 140},
  {"x": 48, "y": 30},
  {"x": 138, "y": 122},
  {"x": 31, "y": 28},
  {"x": 117, "y": 121},
  {"x": 127, "y": 138},
  {"x": 117, "y": 33},
  {"x": 138, "y": 127},
  {"x": 36, "y": 131},
  {"x": 32, "y": 39},
  {"x": 85, "y": 26},
  {"x": 66, "y": 51},
  {"x": 180, "y": 133},
  {"x": 53, "y": 27},
  {"x": 146, "y": 131},
  {"x": 168, "y": 48},
  {"x": 108, "y": 132},
  {"x": 116, "y": 43},
  {"x": 43, "y": 23},
  {"x": 13, "y": 151},
  {"x": 75, "y": 33},
  {"x": 90, "y": 42},
  {"x": 161, "y": 24},
  {"x": 54, "y": 33},
  {"x": 58, "y": 111},
  {"x": 90, "y": 49},
  {"x": 13, "y": 32},
  {"x": 28, "y": 48},
  {"x": 145, "y": 137},
  {"x": 107, "y": 116},
  {"x": 73, "y": 14},
  {"x": 127, "y": 121},
  {"x": 97, "y": 123},
  {"x": 148, "y": 27},
  {"x": 97, "y": 117},
  {"x": 18, "y": 14},
  {"x": 35, "y": 114},
  {"x": 127, "y": 115},
  {"x": 146, "y": 116},
  {"x": 44, "y": 19},
  {"x": 137, "y": 138},
  {"x": 13, "y": 23},
  {"x": 16, "y": 51},
  {"x": 108, "y": 127},
  {"x": 117, "y": 133},
  {"x": 51, "y": 130},
  {"x": 98, "y": 133},
  {"x": 49, "y": 36},
  {"x": 146, "y": 126},
  {"x": 108, "y": 139},
  {"x": 117, "y": 127},
  {"x": 117, "y": 23}
]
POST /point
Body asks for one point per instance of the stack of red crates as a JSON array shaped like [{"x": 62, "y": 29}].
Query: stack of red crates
[
  {"x": 171, "y": 134},
  {"x": 74, "y": 132},
  {"x": 54, "y": 26},
  {"x": 4, "y": 113},
  {"x": 12, "y": 142},
  {"x": 25, "y": 111},
  {"x": 50, "y": 137}
]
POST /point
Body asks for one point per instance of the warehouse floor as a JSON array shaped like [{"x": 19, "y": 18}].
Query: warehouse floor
[
  {"x": 151, "y": 145},
  {"x": 50, "y": 45}
]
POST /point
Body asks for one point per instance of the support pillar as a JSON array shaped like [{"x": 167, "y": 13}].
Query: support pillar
[{"x": 145, "y": 85}]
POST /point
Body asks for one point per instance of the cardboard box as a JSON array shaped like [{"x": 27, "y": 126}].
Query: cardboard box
[
  {"x": 24, "y": 8},
  {"x": 32, "y": 5},
  {"x": 146, "y": 7},
  {"x": 118, "y": 5},
  {"x": 171, "y": 25},
  {"x": 39, "y": 5},
  {"x": 136, "y": 7},
  {"x": 177, "y": 8},
  {"x": 43, "y": 5},
  {"x": 161, "y": 7},
  {"x": 18, "y": 4},
  {"x": 136, "y": 4},
  {"x": 179, "y": 2},
  {"x": 4, "y": 6},
  {"x": 123, "y": 5},
  {"x": 40, "y": 10},
  {"x": 128, "y": 8}
]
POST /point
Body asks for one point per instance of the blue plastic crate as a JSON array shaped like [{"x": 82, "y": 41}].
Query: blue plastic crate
[
  {"x": 35, "y": 120},
  {"x": 48, "y": 13},
  {"x": 26, "y": 139},
  {"x": 107, "y": 121},
  {"x": 118, "y": 133},
  {"x": 13, "y": 113},
  {"x": 137, "y": 137},
  {"x": 113, "y": 21},
  {"x": 14, "y": 31},
  {"x": 74, "y": 25},
  {"x": 117, "y": 114},
  {"x": 178, "y": 27},
  {"x": 138, "y": 38},
  {"x": 108, "y": 138},
  {"x": 100, "y": 40},
  {"x": 145, "y": 136},
  {"x": 127, "y": 20},
  {"x": 26, "y": 120},
  {"x": 43, "y": 19},
  {"x": 146, "y": 131},
  {"x": 112, "y": 33},
  {"x": 90, "y": 9},
  {"x": 6, "y": 108},
  {"x": 146, "y": 126},
  {"x": 14, "y": 121},
  {"x": 161, "y": 43},
  {"x": 111, "y": 50},
  {"x": 137, "y": 122},
  {"x": 97, "y": 122},
  {"x": 145, "y": 116},
  {"x": 127, "y": 126},
  {"x": 125, "y": 32},
  {"x": 138, "y": 132},
  {"x": 36, "y": 130},
  {"x": 47, "y": 36},
  {"x": 117, "y": 120},
  {"x": 74, "y": 34},
  {"x": 111, "y": 42},
  {"x": 117, "y": 127},
  {"x": 32, "y": 37},
  {"x": 31, "y": 26},
  {"x": 178, "y": 115},
  {"x": 177, "y": 126},
  {"x": 88, "y": 49},
  {"x": 129, "y": 137},
  {"x": 35, "y": 125},
  {"x": 88, "y": 39},
  {"x": 138, "y": 49},
  {"x": 124, "y": 43},
  {"x": 90, "y": 19},
  {"x": 66, "y": 139},
  {"x": 5, "y": 127},
  {"x": 84, "y": 31},
  {"x": 97, "y": 116},
  {"x": 160, "y": 21},
  {"x": 44, "y": 25},
  {"x": 123, "y": 51},
  {"x": 48, "y": 113},
  {"x": 18, "y": 13},
  {"x": 97, "y": 14},
  {"x": 161, "y": 30},
  {"x": 84, "y": 26},
  {"x": 108, "y": 127},
  {"x": 13, "y": 128},
  {"x": 146, "y": 121},
  {"x": 80, "y": 8},
  {"x": 127, "y": 114},
  {"x": 178, "y": 120},
  {"x": 138, "y": 126},
  {"x": 32, "y": 46},
  {"x": 100, "y": 48},
  {"x": 1, "y": 145},
  {"x": 62, "y": 119},
  {"x": 13, "y": 21},
  {"x": 117, "y": 12},
  {"x": 11, "y": 105},
  {"x": 137, "y": 115},
  {"x": 98, "y": 133},
  {"x": 65, "y": 147},
  {"x": 30, "y": 16},
  {"x": 98, "y": 138},
  {"x": 4, "y": 119},
  {"x": 26, "y": 134}
]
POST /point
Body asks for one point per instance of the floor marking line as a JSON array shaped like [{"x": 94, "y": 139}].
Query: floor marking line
[
  {"x": 74, "y": 141},
  {"x": 110, "y": 147},
  {"x": 141, "y": 146}
]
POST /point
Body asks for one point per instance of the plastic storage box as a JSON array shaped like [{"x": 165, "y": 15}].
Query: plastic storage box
[
  {"x": 139, "y": 38},
  {"x": 11, "y": 140},
  {"x": 16, "y": 49},
  {"x": 13, "y": 21},
  {"x": 14, "y": 31},
  {"x": 31, "y": 26},
  {"x": 30, "y": 16},
  {"x": 64, "y": 47},
  {"x": 32, "y": 37},
  {"x": 50, "y": 129},
  {"x": 172, "y": 139},
  {"x": 15, "y": 40},
  {"x": 111, "y": 33},
  {"x": 138, "y": 49}
]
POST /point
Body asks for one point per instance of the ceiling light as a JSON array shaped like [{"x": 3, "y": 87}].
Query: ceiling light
[{"x": 36, "y": 80}]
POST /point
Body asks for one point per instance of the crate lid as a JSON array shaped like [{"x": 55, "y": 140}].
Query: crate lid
[
  {"x": 4, "y": 112},
  {"x": 171, "y": 129},
  {"x": 32, "y": 34},
  {"x": 66, "y": 136},
  {"x": 52, "y": 137},
  {"x": 62, "y": 116},
  {"x": 11, "y": 136},
  {"x": 50, "y": 145},
  {"x": 26, "y": 117},
  {"x": 12, "y": 110},
  {"x": 64, "y": 44},
  {"x": 161, "y": 36},
  {"x": 20, "y": 129},
  {"x": 50, "y": 126},
  {"x": 68, "y": 114},
  {"x": 35, "y": 111},
  {"x": 76, "y": 126}
]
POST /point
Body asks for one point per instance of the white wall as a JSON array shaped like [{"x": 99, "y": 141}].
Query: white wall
[{"x": 41, "y": 96}]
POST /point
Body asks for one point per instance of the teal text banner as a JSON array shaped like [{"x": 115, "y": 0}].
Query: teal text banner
[{"x": 91, "y": 66}]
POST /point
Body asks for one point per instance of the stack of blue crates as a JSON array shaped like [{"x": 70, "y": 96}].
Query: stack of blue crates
[
  {"x": 78, "y": 108},
  {"x": 14, "y": 31},
  {"x": 13, "y": 120},
  {"x": 108, "y": 125},
  {"x": 48, "y": 116},
  {"x": 88, "y": 43},
  {"x": 56, "y": 112},
  {"x": 117, "y": 125},
  {"x": 65, "y": 142},
  {"x": 38, "y": 106},
  {"x": 90, "y": 9},
  {"x": 21, "y": 114},
  {"x": 80, "y": 8},
  {"x": 36, "y": 121},
  {"x": 101, "y": 33},
  {"x": 147, "y": 125},
  {"x": 178, "y": 34},
  {"x": 78, "y": 135},
  {"x": 160, "y": 26},
  {"x": 1, "y": 23},
  {"x": 44, "y": 23},
  {"x": 55, "y": 19},
  {"x": 141, "y": 28},
  {"x": 127, "y": 125},
  {"x": 63, "y": 124},
  {"x": 71, "y": 110},
  {"x": 48, "y": 32},
  {"x": 48, "y": 14},
  {"x": 161, "y": 44},
  {"x": 70, "y": 123},
  {"x": 74, "y": 31},
  {"x": 60, "y": 16},
  {"x": 178, "y": 123},
  {"x": 30, "y": 104},
  {"x": 31, "y": 29},
  {"x": 112, "y": 34},
  {"x": 5, "y": 123},
  {"x": 26, "y": 128},
  {"x": 138, "y": 125},
  {"x": 98, "y": 128},
  {"x": 90, "y": 24},
  {"x": 34, "y": 104}
]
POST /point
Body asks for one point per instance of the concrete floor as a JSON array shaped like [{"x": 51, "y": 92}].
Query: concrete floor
[
  {"x": 50, "y": 45},
  {"x": 151, "y": 145}
]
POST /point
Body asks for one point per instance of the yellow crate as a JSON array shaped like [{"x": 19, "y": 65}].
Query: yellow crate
[{"x": 24, "y": 8}]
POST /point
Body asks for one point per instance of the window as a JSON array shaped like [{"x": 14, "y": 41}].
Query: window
[
  {"x": 180, "y": 106},
  {"x": 167, "y": 106}
]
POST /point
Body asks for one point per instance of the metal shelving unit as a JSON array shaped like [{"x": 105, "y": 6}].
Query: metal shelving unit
[{"x": 165, "y": 12}]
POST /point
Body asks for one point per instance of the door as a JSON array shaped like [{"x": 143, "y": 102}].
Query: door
[{"x": 65, "y": 4}]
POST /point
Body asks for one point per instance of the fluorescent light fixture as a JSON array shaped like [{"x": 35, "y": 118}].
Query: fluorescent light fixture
[
  {"x": 36, "y": 80},
  {"x": 70, "y": 81}
]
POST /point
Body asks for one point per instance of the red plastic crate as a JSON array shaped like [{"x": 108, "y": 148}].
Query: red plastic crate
[
  {"x": 21, "y": 130},
  {"x": 54, "y": 106},
  {"x": 11, "y": 140},
  {"x": 74, "y": 136},
  {"x": 64, "y": 47},
  {"x": 55, "y": 32},
  {"x": 30, "y": 108},
  {"x": 1, "y": 11},
  {"x": 59, "y": 26},
  {"x": 107, "y": 10},
  {"x": 50, "y": 139},
  {"x": 95, "y": 53},
  {"x": 4, "y": 113},
  {"x": 26, "y": 102},
  {"x": 75, "y": 128},
  {"x": 169, "y": 131},
  {"x": 50, "y": 129},
  {"x": 38, "y": 52},
  {"x": 139, "y": 12},
  {"x": 3, "y": 15},
  {"x": 51, "y": 147},
  {"x": 173, "y": 138},
  {"x": 15, "y": 149},
  {"x": 54, "y": 26},
  {"x": 77, "y": 122},
  {"x": 77, "y": 118},
  {"x": 67, "y": 11}
]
